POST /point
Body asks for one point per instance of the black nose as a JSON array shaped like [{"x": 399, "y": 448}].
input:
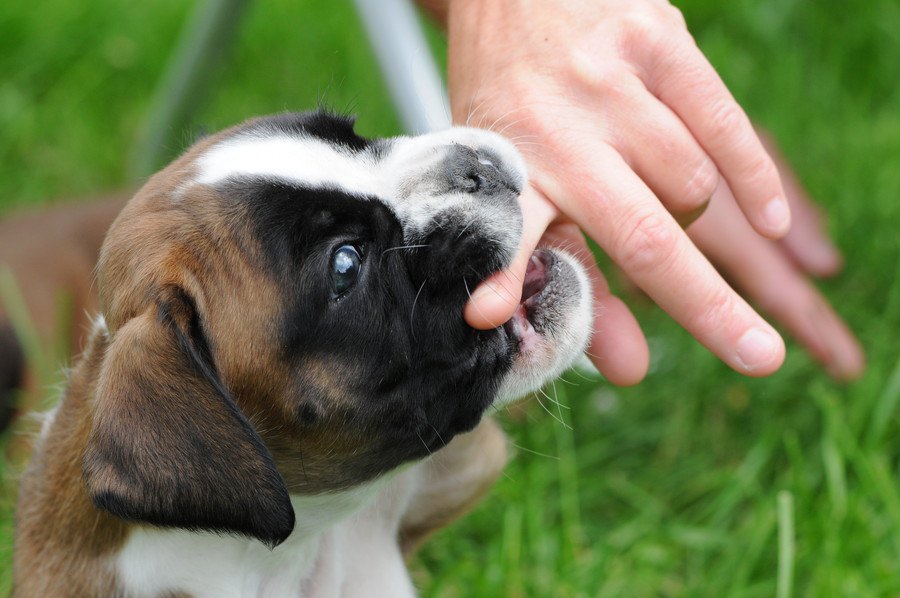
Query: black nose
[{"x": 470, "y": 172}]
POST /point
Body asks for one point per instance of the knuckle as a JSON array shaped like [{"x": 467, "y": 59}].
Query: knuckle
[
  {"x": 674, "y": 15},
  {"x": 648, "y": 245},
  {"x": 761, "y": 170},
  {"x": 641, "y": 24},
  {"x": 637, "y": 32},
  {"x": 717, "y": 310},
  {"x": 604, "y": 76},
  {"x": 725, "y": 119},
  {"x": 702, "y": 184},
  {"x": 649, "y": 35}
]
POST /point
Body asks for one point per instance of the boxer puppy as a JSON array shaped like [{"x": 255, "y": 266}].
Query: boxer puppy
[{"x": 281, "y": 370}]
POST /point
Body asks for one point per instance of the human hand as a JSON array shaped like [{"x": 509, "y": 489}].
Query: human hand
[
  {"x": 625, "y": 127},
  {"x": 775, "y": 274}
]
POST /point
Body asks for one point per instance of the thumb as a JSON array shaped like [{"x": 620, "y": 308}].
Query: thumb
[{"x": 496, "y": 299}]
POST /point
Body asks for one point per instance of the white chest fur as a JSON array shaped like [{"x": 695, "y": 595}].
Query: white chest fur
[{"x": 343, "y": 545}]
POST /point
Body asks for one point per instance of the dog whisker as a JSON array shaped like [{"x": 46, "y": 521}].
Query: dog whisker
[
  {"x": 582, "y": 376},
  {"x": 464, "y": 229},
  {"x": 473, "y": 112},
  {"x": 403, "y": 247},
  {"x": 556, "y": 400},
  {"x": 423, "y": 442},
  {"x": 498, "y": 119},
  {"x": 533, "y": 452},
  {"x": 302, "y": 464},
  {"x": 398, "y": 248},
  {"x": 509, "y": 113},
  {"x": 563, "y": 380},
  {"x": 438, "y": 433},
  {"x": 519, "y": 144},
  {"x": 522, "y": 136},
  {"x": 559, "y": 419},
  {"x": 513, "y": 123},
  {"x": 412, "y": 312},
  {"x": 544, "y": 407},
  {"x": 589, "y": 354},
  {"x": 559, "y": 405}
]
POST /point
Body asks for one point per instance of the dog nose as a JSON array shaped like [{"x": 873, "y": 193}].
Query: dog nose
[{"x": 477, "y": 174}]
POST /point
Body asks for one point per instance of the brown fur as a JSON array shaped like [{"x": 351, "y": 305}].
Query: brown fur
[{"x": 61, "y": 539}]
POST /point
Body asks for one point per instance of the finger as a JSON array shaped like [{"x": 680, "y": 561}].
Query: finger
[
  {"x": 624, "y": 217},
  {"x": 496, "y": 299},
  {"x": 684, "y": 80},
  {"x": 777, "y": 287},
  {"x": 667, "y": 157},
  {"x": 618, "y": 348},
  {"x": 807, "y": 242}
]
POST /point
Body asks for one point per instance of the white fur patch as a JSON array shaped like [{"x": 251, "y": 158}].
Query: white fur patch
[
  {"x": 47, "y": 418},
  {"x": 99, "y": 325},
  {"x": 303, "y": 160},
  {"x": 344, "y": 544}
]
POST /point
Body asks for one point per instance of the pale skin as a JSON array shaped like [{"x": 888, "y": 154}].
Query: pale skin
[{"x": 628, "y": 133}]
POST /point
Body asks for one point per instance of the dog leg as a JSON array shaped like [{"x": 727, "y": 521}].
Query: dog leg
[{"x": 453, "y": 481}]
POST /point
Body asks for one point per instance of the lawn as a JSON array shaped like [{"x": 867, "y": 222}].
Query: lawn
[{"x": 698, "y": 482}]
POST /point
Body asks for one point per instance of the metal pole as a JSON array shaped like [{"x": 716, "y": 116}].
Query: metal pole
[
  {"x": 406, "y": 62},
  {"x": 206, "y": 37}
]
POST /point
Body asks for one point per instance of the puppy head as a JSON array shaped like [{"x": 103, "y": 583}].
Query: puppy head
[{"x": 284, "y": 309}]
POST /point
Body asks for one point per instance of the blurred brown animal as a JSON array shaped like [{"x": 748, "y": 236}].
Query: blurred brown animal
[{"x": 51, "y": 252}]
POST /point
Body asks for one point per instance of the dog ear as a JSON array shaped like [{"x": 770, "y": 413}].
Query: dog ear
[{"x": 168, "y": 445}]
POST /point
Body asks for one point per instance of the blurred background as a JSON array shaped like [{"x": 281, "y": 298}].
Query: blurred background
[{"x": 698, "y": 481}]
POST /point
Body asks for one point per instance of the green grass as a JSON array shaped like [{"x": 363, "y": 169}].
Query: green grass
[{"x": 698, "y": 482}]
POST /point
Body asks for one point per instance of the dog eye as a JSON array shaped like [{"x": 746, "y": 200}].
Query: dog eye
[{"x": 345, "y": 264}]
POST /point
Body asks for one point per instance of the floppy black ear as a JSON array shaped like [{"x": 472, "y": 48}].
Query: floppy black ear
[{"x": 168, "y": 445}]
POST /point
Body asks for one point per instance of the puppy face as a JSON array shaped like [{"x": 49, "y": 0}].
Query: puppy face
[{"x": 284, "y": 306}]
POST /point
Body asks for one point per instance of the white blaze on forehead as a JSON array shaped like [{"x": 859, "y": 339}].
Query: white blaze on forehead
[
  {"x": 311, "y": 162},
  {"x": 314, "y": 162}
]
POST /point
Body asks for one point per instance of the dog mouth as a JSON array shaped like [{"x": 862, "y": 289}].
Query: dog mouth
[{"x": 526, "y": 325}]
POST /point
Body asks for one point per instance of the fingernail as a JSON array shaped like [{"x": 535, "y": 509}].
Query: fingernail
[
  {"x": 757, "y": 348},
  {"x": 777, "y": 215}
]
